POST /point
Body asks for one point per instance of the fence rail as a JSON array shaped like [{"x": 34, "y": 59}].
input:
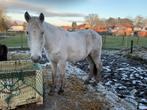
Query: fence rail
[
  {"x": 19, "y": 40},
  {"x": 120, "y": 42}
]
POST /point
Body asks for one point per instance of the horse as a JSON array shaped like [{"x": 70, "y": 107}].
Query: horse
[
  {"x": 3, "y": 52},
  {"x": 62, "y": 46}
]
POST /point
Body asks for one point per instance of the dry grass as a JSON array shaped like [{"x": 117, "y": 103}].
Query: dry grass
[{"x": 75, "y": 97}]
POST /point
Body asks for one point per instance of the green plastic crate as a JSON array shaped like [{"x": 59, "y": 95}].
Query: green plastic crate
[{"x": 21, "y": 82}]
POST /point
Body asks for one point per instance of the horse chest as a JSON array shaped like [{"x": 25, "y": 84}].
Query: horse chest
[{"x": 56, "y": 56}]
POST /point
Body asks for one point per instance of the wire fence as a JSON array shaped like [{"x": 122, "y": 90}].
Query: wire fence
[
  {"x": 19, "y": 40},
  {"x": 14, "y": 40},
  {"x": 120, "y": 42}
]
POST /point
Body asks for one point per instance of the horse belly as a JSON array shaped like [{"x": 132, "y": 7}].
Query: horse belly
[{"x": 76, "y": 54}]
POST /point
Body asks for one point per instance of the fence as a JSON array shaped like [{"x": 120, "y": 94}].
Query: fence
[
  {"x": 19, "y": 40},
  {"x": 14, "y": 39},
  {"x": 119, "y": 42}
]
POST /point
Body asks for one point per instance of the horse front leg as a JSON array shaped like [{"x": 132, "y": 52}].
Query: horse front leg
[
  {"x": 54, "y": 80},
  {"x": 61, "y": 73}
]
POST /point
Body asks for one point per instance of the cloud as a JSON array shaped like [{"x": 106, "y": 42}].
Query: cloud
[
  {"x": 78, "y": 21},
  {"x": 50, "y": 12},
  {"x": 58, "y": 1}
]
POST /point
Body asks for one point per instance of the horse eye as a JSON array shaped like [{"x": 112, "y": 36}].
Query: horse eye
[{"x": 42, "y": 33}]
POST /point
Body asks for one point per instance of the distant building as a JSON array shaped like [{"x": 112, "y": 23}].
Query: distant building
[
  {"x": 66, "y": 27},
  {"x": 100, "y": 28},
  {"x": 142, "y": 32},
  {"x": 83, "y": 26},
  {"x": 122, "y": 30},
  {"x": 17, "y": 26}
]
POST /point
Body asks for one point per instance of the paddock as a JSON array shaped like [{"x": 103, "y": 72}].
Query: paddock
[
  {"x": 81, "y": 94},
  {"x": 77, "y": 72}
]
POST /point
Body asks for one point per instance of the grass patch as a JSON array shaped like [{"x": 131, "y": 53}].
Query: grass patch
[
  {"x": 114, "y": 42},
  {"x": 19, "y": 40}
]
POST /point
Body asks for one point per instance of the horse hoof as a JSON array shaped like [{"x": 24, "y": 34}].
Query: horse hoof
[
  {"x": 94, "y": 84},
  {"x": 86, "y": 82},
  {"x": 51, "y": 93},
  {"x": 61, "y": 91}
]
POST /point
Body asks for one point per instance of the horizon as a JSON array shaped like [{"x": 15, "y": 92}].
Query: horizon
[{"x": 64, "y": 12}]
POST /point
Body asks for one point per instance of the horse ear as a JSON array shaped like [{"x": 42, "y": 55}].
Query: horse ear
[
  {"x": 41, "y": 17},
  {"x": 27, "y": 16}
]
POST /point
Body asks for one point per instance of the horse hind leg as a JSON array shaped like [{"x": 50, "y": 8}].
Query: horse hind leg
[
  {"x": 96, "y": 58},
  {"x": 92, "y": 69}
]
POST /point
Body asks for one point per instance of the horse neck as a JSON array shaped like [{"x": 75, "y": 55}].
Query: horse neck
[{"x": 51, "y": 37}]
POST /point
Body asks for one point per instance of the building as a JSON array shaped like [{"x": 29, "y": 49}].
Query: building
[
  {"x": 17, "y": 26},
  {"x": 123, "y": 30}
]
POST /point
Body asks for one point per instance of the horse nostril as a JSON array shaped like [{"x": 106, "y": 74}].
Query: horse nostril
[
  {"x": 35, "y": 58},
  {"x": 39, "y": 58}
]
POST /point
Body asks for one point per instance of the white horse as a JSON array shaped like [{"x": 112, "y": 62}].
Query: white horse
[{"x": 62, "y": 46}]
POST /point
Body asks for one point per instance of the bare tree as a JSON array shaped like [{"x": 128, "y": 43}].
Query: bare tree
[
  {"x": 24, "y": 25},
  {"x": 4, "y": 21},
  {"x": 145, "y": 22},
  {"x": 92, "y": 20},
  {"x": 74, "y": 25},
  {"x": 111, "y": 22},
  {"x": 138, "y": 21},
  {"x": 125, "y": 21}
]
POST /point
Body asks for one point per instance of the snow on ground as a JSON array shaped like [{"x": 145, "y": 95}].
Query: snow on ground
[
  {"x": 122, "y": 76},
  {"x": 125, "y": 77}
]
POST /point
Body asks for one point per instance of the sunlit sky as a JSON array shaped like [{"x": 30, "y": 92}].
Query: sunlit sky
[{"x": 63, "y": 12}]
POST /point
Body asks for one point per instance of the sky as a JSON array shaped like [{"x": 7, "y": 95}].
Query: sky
[{"x": 63, "y": 12}]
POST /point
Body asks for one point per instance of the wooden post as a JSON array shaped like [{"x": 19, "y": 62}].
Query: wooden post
[
  {"x": 138, "y": 39},
  {"x": 104, "y": 40},
  {"x": 131, "y": 46},
  {"x": 123, "y": 40},
  {"x": 21, "y": 34}
]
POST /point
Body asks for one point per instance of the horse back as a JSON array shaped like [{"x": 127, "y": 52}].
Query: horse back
[{"x": 81, "y": 43}]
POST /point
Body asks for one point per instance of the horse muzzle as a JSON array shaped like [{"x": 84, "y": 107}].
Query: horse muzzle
[{"x": 36, "y": 59}]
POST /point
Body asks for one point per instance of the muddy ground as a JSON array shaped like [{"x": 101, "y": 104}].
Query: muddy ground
[
  {"x": 125, "y": 77},
  {"x": 124, "y": 74},
  {"x": 75, "y": 97}
]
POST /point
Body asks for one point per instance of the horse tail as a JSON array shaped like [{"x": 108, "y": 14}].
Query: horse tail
[
  {"x": 96, "y": 54},
  {"x": 94, "y": 68}
]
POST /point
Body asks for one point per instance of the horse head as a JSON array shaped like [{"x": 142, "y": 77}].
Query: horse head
[{"x": 35, "y": 35}]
